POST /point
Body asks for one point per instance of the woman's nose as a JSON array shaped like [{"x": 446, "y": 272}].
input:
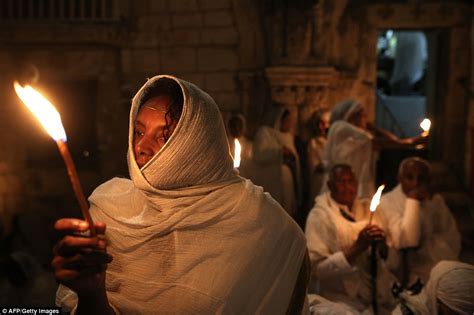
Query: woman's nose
[{"x": 145, "y": 146}]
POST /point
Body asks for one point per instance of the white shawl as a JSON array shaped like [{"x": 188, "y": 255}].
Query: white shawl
[
  {"x": 190, "y": 236},
  {"x": 276, "y": 177},
  {"x": 348, "y": 144},
  {"x": 452, "y": 283}
]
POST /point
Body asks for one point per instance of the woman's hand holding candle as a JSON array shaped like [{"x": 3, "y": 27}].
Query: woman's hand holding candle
[{"x": 80, "y": 262}]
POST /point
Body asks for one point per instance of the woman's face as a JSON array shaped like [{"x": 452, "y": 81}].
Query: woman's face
[{"x": 148, "y": 138}]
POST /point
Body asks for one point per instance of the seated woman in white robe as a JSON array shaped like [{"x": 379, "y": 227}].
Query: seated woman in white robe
[
  {"x": 187, "y": 235},
  {"x": 449, "y": 291},
  {"x": 338, "y": 237},
  {"x": 418, "y": 220},
  {"x": 277, "y": 160},
  {"x": 353, "y": 141}
]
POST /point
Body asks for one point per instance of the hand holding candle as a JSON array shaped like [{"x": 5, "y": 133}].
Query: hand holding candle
[
  {"x": 375, "y": 202},
  {"x": 50, "y": 119}
]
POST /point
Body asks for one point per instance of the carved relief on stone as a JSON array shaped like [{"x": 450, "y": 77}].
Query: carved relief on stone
[{"x": 302, "y": 90}]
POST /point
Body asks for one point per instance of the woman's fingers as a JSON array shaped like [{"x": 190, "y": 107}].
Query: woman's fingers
[
  {"x": 70, "y": 245},
  {"x": 71, "y": 225}
]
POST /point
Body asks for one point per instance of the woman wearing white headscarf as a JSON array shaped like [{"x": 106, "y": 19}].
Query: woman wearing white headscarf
[
  {"x": 450, "y": 290},
  {"x": 186, "y": 233},
  {"x": 277, "y": 160},
  {"x": 351, "y": 142}
]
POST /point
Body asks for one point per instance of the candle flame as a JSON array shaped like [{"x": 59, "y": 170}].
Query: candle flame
[
  {"x": 425, "y": 124},
  {"x": 237, "y": 151},
  {"x": 44, "y": 111},
  {"x": 376, "y": 198}
]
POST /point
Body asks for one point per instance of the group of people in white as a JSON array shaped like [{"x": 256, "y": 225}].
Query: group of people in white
[
  {"x": 412, "y": 229},
  {"x": 187, "y": 235}
]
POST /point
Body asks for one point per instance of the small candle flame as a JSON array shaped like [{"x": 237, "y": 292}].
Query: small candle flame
[
  {"x": 44, "y": 111},
  {"x": 425, "y": 125},
  {"x": 237, "y": 151},
  {"x": 376, "y": 198}
]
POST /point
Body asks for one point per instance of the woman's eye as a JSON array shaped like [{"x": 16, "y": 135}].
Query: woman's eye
[{"x": 138, "y": 133}]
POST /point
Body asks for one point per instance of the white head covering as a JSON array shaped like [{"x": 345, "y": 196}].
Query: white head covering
[
  {"x": 452, "y": 283},
  {"x": 174, "y": 166},
  {"x": 189, "y": 236},
  {"x": 344, "y": 110}
]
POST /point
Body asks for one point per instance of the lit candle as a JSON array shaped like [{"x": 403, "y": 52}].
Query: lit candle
[
  {"x": 237, "y": 152},
  {"x": 50, "y": 119},
  {"x": 375, "y": 202},
  {"x": 425, "y": 125}
]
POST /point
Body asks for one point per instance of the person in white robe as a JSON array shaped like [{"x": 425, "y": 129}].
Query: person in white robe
[
  {"x": 278, "y": 161},
  {"x": 419, "y": 221},
  {"x": 449, "y": 291},
  {"x": 338, "y": 237},
  {"x": 186, "y": 235},
  {"x": 315, "y": 151},
  {"x": 354, "y": 141}
]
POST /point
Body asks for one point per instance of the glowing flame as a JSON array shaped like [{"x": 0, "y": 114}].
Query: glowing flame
[
  {"x": 237, "y": 151},
  {"x": 425, "y": 125},
  {"x": 44, "y": 111},
  {"x": 376, "y": 198}
]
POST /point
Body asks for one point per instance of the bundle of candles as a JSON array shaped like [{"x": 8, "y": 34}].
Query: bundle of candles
[{"x": 50, "y": 119}]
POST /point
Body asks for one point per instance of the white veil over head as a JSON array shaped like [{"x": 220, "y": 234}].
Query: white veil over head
[{"x": 197, "y": 152}]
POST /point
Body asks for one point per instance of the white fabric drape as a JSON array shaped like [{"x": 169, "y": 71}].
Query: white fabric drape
[
  {"x": 438, "y": 236},
  {"x": 329, "y": 234},
  {"x": 450, "y": 282},
  {"x": 190, "y": 236},
  {"x": 276, "y": 177},
  {"x": 348, "y": 144},
  {"x": 315, "y": 160}
]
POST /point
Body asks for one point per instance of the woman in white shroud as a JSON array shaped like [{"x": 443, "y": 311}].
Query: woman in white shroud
[
  {"x": 277, "y": 160},
  {"x": 187, "y": 235},
  {"x": 449, "y": 291}
]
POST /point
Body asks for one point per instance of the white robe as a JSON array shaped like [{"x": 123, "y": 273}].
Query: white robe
[
  {"x": 348, "y": 144},
  {"x": 276, "y": 177},
  {"x": 329, "y": 234},
  {"x": 314, "y": 158},
  {"x": 428, "y": 225},
  {"x": 189, "y": 236}
]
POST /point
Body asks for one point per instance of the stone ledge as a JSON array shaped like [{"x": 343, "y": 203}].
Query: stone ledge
[{"x": 301, "y": 76}]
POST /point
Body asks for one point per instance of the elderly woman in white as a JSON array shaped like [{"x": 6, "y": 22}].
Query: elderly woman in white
[{"x": 186, "y": 235}]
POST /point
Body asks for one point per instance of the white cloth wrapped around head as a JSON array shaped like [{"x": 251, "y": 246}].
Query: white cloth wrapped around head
[
  {"x": 451, "y": 283},
  {"x": 197, "y": 152}
]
